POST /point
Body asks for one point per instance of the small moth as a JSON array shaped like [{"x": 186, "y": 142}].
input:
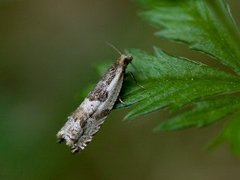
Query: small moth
[{"x": 86, "y": 120}]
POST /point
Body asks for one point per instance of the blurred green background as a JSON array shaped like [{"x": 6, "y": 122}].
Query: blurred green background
[{"x": 48, "y": 50}]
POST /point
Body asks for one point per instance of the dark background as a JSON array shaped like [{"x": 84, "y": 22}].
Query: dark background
[{"x": 48, "y": 50}]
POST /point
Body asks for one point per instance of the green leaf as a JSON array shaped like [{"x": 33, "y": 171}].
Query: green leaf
[
  {"x": 171, "y": 82},
  {"x": 206, "y": 26},
  {"x": 203, "y": 113}
]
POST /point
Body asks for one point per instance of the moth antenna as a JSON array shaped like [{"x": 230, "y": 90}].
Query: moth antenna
[{"x": 113, "y": 47}]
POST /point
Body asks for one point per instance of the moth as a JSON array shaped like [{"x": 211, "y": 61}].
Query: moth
[{"x": 87, "y": 119}]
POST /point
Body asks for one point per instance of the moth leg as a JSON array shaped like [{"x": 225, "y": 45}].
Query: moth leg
[
  {"x": 132, "y": 76},
  {"x": 121, "y": 101}
]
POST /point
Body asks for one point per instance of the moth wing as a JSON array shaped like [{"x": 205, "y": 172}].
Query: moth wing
[{"x": 91, "y": 127}]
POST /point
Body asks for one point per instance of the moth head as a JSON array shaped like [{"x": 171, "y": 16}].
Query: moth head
[{"x": 125, "y": 59}]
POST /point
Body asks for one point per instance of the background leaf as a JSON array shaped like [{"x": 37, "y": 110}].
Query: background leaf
[
  {"x": 205, "y": 28},
  {"x": 231, "y": 133}
]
